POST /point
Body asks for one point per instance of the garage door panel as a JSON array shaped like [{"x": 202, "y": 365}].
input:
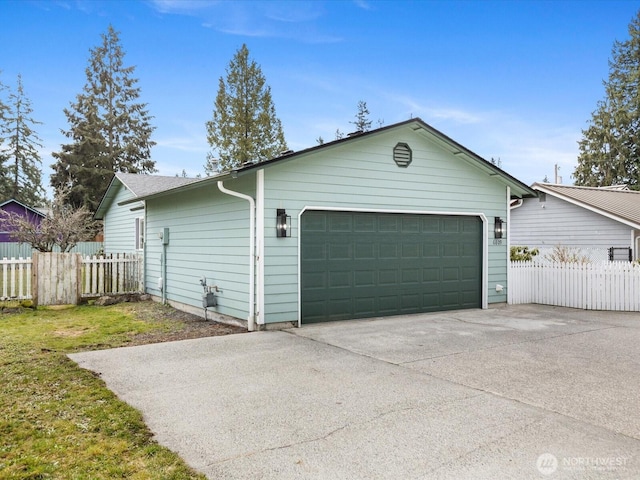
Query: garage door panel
[
  {"x": 451, "y": 225},
  {"x": 340, "y": 279},
  {"x": 364, "y": 278},
  {"x": 364, "y": 251},
  {"x": 388, "y": 224},
  {"x": 410, "y": 224},
  {"x": 388, "y": 250},
  {"x": 388, "y": 304},
  {"x": 378, "y": 264},
  {"x": 315, "y": 280},
  {"x": 388, "y": 277},
  {"x": 340, "y": 223},
  {"x": 410, "y": 276},
  {"x": 314, "y": 252},
  {"x": 314, "y": 223},
  {"x": 411, "y": 250},
  {"x": 365, "y": 223}
]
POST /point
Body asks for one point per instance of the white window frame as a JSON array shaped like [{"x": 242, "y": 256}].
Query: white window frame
[{"x": 139, "y": 234}]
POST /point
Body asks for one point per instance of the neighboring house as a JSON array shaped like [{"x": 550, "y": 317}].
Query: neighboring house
[
  {"x": 397, "y": 220},
  {"x": 590, "y": 219},
  {"x": 124, "y": 225},
  {"x": 13, "y": 206}
]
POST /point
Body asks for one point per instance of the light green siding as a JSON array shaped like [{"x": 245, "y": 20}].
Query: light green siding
[
  {"x": 208, "y": 236},
  {"x": 361, "y": 174},
  {"x": 120, "y": 224}
]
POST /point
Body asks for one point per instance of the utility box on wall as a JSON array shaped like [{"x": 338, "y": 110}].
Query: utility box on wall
[
  {"x": 209, "y": 300},
  {"x": 165, "y": 236}
]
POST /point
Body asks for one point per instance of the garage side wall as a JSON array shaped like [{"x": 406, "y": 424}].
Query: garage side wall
[
  {"x": 208, "y": 236},
  {"x": 120, "y": 224},
  {"x": 363, "y": 175}
]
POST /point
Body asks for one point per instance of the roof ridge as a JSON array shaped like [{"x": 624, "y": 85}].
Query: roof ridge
[{"x": 580, "y": 187}]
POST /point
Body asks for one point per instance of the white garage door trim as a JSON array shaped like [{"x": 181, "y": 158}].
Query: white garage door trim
[{"x": 485, "y": 242}]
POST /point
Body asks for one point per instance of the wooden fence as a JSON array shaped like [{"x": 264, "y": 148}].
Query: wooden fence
[
  {"x": 57, "y": 278},
  {"x": 112, "y": 274},
  {"x": 591, "y": 286}
]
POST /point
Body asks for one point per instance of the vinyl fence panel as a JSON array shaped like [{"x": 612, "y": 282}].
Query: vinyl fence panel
[{"x": 591, "y": 286}]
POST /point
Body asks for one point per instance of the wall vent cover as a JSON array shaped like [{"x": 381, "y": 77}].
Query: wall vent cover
[{"x": 402, "y": 155}]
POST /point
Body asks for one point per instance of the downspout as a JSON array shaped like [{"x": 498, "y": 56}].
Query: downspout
[
  {"x": 252, "y": 219},
  {"x": 509, "y": 240}
]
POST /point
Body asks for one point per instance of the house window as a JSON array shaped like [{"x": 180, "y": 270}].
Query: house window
[{"x": 139, "y": 233}]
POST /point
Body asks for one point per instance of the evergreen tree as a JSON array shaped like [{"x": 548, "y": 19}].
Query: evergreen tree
[
  {"x": 110, "y": 130},
  {"x": 5, "y": 184},
  {"x": 609, "y": 147},
  {"x": 244, "y": 126},
  {"x": 362, "y": 123},
  {"x": 23, "y": 171}
]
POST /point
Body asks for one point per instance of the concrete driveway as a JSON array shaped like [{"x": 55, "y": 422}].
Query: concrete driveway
[{"x": 515, "y": 392}]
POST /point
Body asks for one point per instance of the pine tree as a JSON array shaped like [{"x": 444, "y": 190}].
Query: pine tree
[
  {"x": 244, "y": 127},
  {"x": 362, "y": 123},
  {"x": 23, "y": 170},
  {"x": 110, "y": 130},
  {"x": 609, "y": 147}
]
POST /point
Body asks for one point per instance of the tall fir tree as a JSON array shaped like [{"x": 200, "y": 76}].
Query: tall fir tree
[
  {"x": 110, "y": 130},
  {"x": 244, "y": 126},
  {"x": 23, "y": 166},
  {"x": 5, "y": 184},
  {"x": 362, "y": 122},
  {"x": 609, "y": 149}
]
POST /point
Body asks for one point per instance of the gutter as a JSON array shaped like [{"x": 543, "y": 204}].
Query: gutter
[{"x": 251, "y": 321}]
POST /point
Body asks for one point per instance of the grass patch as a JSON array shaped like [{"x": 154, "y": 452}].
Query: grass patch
[{"x": 59, "y": 421}]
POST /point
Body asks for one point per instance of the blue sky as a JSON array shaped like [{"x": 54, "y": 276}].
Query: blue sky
[{"x": 515, "y": 80}]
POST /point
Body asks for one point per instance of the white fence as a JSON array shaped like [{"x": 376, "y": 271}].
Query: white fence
[
  {"x": 590, "y": 286},
  {"x": 24, "y": 250},
  {"x": 99, "y": 275},
  {"x": 15, "y": 279}
]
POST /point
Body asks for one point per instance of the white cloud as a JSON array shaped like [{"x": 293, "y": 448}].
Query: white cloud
[{"x": 291, "y": 20}]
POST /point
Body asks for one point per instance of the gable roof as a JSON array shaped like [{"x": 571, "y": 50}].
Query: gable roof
[
  {"x": 518, "y": 189},
  {"x": 33, "y": 210},
  {"x": 620, "y": 205},
  {"x": 140, "y": 186}
]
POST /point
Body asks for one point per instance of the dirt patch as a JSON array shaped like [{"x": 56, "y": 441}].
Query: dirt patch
[
  {"x": 177, "y": 325},
  {"x": 69, "y": 333}
]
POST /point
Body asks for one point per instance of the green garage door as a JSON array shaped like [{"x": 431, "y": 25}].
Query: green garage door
[{"x": 359, "y": 265}]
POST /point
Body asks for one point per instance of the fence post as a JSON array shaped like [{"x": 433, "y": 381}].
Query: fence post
[{"x": 34, "y": 278}]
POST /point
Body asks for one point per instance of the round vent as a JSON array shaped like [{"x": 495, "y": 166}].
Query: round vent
[{"x": 402, "y": 155}]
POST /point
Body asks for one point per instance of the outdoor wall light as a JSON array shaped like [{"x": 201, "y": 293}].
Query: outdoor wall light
[
  {"x": 283, "y": 223},
  {"x": 499, "y": 227}
]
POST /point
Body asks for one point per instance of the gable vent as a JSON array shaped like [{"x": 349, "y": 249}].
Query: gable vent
[{"x": 402, "y": 155}]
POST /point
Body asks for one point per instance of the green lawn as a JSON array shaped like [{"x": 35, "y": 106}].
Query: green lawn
[{"x": 59, "y": 421}]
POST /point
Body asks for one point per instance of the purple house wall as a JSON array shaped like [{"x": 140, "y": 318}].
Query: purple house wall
[{"x": 16, "y": 207}]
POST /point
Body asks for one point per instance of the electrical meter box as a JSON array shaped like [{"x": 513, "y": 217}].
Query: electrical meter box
[
  {"x": 165, "y": 236},
  {"x": 209, "y": 300}
]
